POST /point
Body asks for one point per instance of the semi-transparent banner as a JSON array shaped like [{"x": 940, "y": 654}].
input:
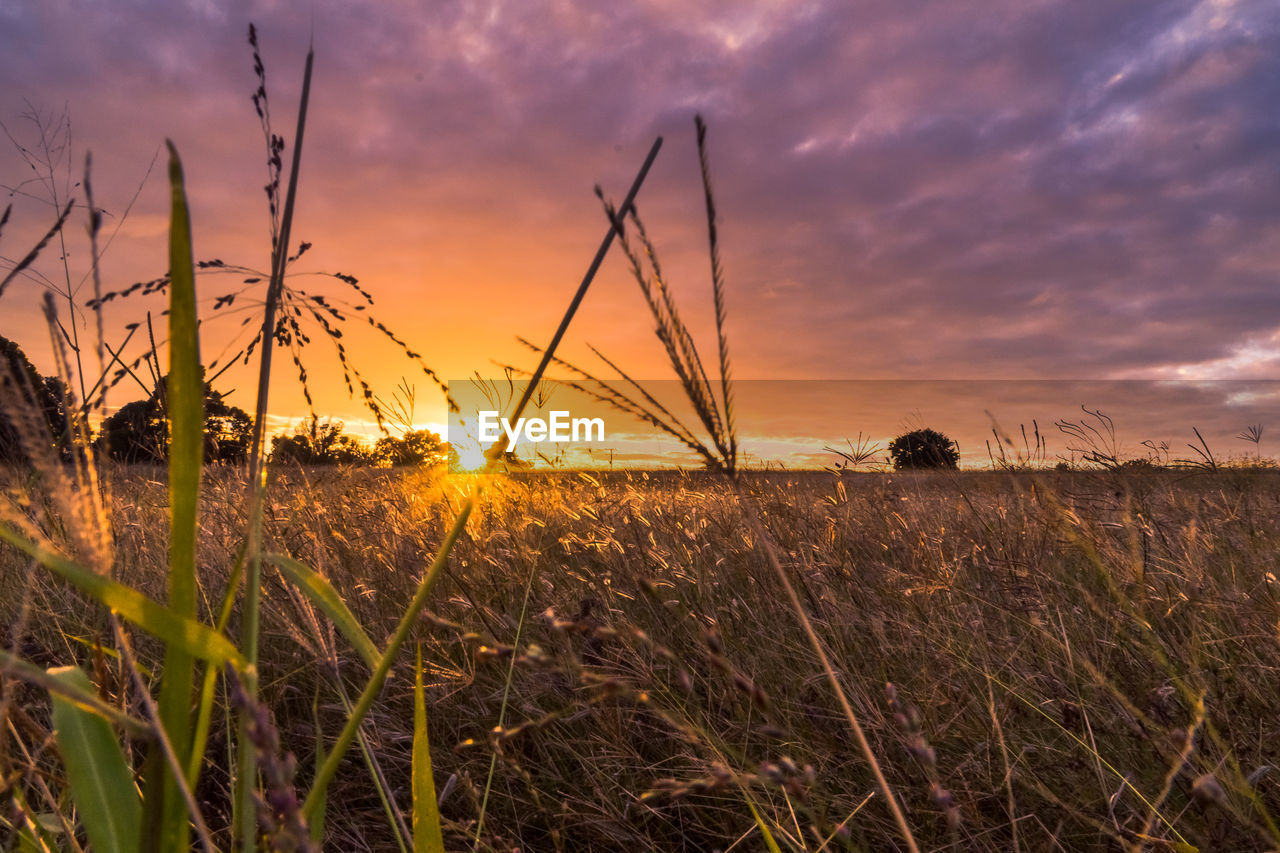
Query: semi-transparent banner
[{"x": 808, "y": 424}]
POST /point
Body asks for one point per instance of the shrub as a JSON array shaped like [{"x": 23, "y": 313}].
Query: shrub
[
  {"x": 415, "y": 447},
  {"x": 44, "y": 394},
  {"x": 318, "y": 441},
  {"x": 924, "y": 448},
  {"x": 139, "y": 431}
]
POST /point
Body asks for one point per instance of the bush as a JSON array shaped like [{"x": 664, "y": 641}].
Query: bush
[
  {"x": 318, "y": 441},
  {"x": 45, "y": 394},
  {"x": 415, "y": 447},
  {"x": 924, "y": 448},
  {"x": 139, "y": 431}
]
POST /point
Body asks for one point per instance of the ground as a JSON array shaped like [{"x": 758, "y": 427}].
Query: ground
[{"x": 1079, "y": 659}]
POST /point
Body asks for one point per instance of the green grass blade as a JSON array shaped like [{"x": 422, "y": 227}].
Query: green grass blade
[
  {"x": 200, "y": 733},
  {"x": 246, "y": 772},
  {"x": 100, "y": 779},
  {"x": 324, "y": 596},
  {"x": 204, "y": 708},
  {"x": 427, "y": 837},
  {"x": 86, "y": 700},
  {"x": 197, "y": 639},
  {"x": 769, "y": 841},
  {"x": 184, "y": 407}
]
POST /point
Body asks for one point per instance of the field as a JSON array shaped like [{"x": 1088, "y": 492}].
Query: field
[{"x": 1078, "y": 660}]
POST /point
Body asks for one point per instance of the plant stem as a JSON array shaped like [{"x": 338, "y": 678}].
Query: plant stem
[
  {"x": 549, "y": 352},
  {"x": 246, "y": 776}
]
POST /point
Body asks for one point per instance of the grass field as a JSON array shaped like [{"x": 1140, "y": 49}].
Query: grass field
[{"x": 1078, "y": 660}]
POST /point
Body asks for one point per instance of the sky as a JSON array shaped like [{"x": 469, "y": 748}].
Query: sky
[{"x": 1065, "y": 189}]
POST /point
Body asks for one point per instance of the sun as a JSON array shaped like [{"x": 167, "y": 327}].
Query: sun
[{"x": 471, "y": 458}]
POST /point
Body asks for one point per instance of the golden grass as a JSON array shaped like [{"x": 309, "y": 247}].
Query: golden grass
[{"x": 1048, "y": 639}]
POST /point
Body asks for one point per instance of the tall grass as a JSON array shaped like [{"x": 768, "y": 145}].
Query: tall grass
[
  {"x": 719, "y": 450},
  {"x": 166, "y": 818},
  {"x": 364, "y": 704},
  {"x": 1049, "y": 709},
  {"x": 258, "y": 453}
]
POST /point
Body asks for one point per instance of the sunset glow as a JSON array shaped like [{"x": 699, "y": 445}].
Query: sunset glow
[{"x": 1058, "y": 191}]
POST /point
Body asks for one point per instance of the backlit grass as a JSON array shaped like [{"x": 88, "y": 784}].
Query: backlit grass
[{"x": 1049, "y": 640}]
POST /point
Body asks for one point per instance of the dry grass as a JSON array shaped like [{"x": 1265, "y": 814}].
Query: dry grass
[{"x": 1048, "y": 639}]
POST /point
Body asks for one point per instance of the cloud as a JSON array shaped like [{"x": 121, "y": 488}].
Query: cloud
[{"x": 1050, "y": 189}]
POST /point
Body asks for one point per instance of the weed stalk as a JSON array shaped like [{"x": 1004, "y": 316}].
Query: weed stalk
[{"x": 246, "y": 773}]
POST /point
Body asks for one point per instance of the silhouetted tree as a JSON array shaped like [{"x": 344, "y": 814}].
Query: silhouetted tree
[
  {"x": 415, "y": 447},
  {"x": 228, "y": 430},
  {"x": 924, "y": 448},
  {"x": 318, "y": 441},
  {"x": 136, "y": 432},
  {"x": 24, "y": 386},
  {"x": 139, "y": 431}
]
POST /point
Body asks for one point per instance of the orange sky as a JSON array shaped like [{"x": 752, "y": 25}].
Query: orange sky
[{"x": 1070, "y": 190}]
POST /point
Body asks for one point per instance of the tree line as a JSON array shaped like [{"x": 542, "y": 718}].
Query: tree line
[{"x": 138, "y": 432}]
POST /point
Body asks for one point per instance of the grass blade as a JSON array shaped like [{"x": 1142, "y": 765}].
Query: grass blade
[
  {"x": 427, "y": 837},
  {"x": 184, "y": 406},
  {"x": 614, "y": 230},
  {"x": 31, "y": 256},
  {"x": 86, "y": 699},
  {"x": 324, "y": 596},
  {"x": 717, "y": 290},
  {"x": 769, "y": 842},
  {"x": 204, "y": 708},
  {"x": 101, "y": 781},
  {"x": 191, "y": 636}
]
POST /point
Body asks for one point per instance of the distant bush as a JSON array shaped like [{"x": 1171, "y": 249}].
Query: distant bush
[
  {"x": 924, "y": 448},
  {"x": 20, "y": 379},
  {"x": 136, "y": 432},
  {"x": 319, "y": 441},
  {"x": 415, "y": 447},
  {"x": 139, "y": 431}
]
